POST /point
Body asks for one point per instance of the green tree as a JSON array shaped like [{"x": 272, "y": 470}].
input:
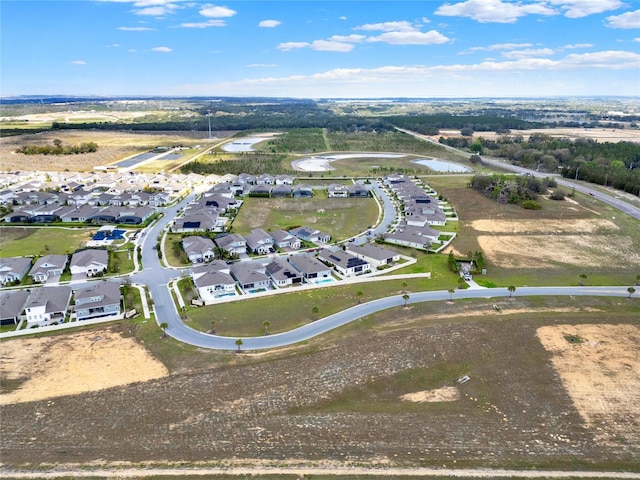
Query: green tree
[
  {"x": 404, "y": 287},
  {"x": 631, "y": 291},
  {"x": 164, "y": 326},
  {"x": 239, "y": 344},
  {"x": 315, "y": 311},
  {"x": 266, "y": 324},
  {"x": 451, "y": 292},
  {"x": 583, "y": 277},
  {"x": 405, "y": 297},
  {"x": 359, "y": 295},
  {"x": 511, "y": 289}
]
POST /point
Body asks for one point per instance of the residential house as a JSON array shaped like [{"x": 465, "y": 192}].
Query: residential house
[
  {"x": 337, "y": 191},
  {"x": 199, "y": 221},
  {"x": 13, "y": 269},
  {"x": 260, "y": 190},
  {"x": 134, "y": 216},
  {"x": 232, "y": 243},
  {"x": 199, "y": 249},
  {"x": 309, "y": 234},
  {"x": 214, "y": 284},
  {"x": 265, "y": 179},
  {"x": 47, "y": 305},
  {"x": 420, "y": 239},
  {"x": 48, "y": 266},
  {"x": 284, "y": 240},
  {"x": 310, "y": 267},
  {"x": 345, "y": 263},
  {"x": 251, "y": 276},
  {"x": 281, "y": 191},
  {"x": 357, "y": 190},
  {"x": 12, "y": 304},
  {"x": 77, "y": 213},
  {"x": 259, "y": 242},
  {"x": 90, "y": 262},
  {"x": 373, "y": 254},
  {"x": 302, "y": 191},
  {"x": 282, "y": 273},
  {"x": 99, "y": 300},
  {"x": 284, "y": 180}
]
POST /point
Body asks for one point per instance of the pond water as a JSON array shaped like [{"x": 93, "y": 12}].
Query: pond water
[
  {"x": 244, "y": 144},
  {"x": 442, "y": 165},
  {"x": 320, "y": 163}
]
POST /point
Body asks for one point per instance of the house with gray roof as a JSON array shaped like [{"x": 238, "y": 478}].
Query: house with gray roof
[
  {"x": 199, "y": 221},
  {"x": 47, "y": 305},
  {"x": 336, "y": 190},
  {"x": 214, "y": 284},
  {"x": 284, "y": 240},
  {"x": 12, "y": 304},
  {"x": 199, "y": 249},
  {"x": 302, "y": 191},
  {"x": 251, "y": 275},
  {"x": 310, "y": 267},
  {"x": 232, "y": 243},
  {"x": 47, "y": 267},
  {"x": 375, "y": 255},
  {"x": 310, "y": 234},
  {"x": 13, "y": 269},
  {"x": 99, "y": 300},
  {"x": 282, "y": 273},
  {"x": 90, "y": 262},
  {"x": 259, "y": 242},
  {"x": 345, "y": 263}
]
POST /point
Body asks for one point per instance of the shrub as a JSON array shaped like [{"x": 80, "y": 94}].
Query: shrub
[
  {"x": 531, "y": 205},
  {"x": 557, "y": 195}
]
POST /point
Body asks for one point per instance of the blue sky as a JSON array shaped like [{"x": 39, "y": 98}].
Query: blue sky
[{"x": 309, "y": 49}]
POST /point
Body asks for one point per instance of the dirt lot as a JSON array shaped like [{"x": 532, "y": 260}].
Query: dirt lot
[
  {"x": 600, "y": 368},
  {"x": 343, "y": 399},
  {"x": 70, "y": 364},
  {"x": 112, "y": 147}
]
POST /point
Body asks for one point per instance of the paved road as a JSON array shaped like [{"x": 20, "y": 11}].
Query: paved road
[{"x": 616, "y": 202}]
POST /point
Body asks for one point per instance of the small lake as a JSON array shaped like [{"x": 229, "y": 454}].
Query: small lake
[{"x": 442, "y": 165}]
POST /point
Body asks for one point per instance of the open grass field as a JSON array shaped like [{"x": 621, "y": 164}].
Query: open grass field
[
  {"x": 551, "y": 246},
  {"x": 25, "y": 241},
  {"x": 340, "y": 217},
  {"x": 381, "y": 391}
]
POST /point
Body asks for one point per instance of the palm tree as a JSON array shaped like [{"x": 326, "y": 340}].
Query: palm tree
[
  {"x": 631, "y": 291},
  {"x": 213, "y": 327},
  {"x": 359, "y": 294},
  {"x": 164, "y": 326},
  {"x": 404, "y": 287},
  {"x": 315, "y": 311},
  {"x": 451, "y": 292},
  {"x": 583, "y": 276},
  {"x": 405, "y": 297},
  {"x": 266, "y": 324},
  {"x": 239, "y": 344},
  {"x": 511, "y": 289}
]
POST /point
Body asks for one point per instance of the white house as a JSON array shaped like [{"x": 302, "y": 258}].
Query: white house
[
  {"x": 90, "y": 262},
  {"x": 47, "y": 305}
]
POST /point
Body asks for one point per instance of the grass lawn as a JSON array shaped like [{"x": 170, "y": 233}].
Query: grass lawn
[
  {"x": 24, "y": 241},
  {"x": 341, "y": 217}
]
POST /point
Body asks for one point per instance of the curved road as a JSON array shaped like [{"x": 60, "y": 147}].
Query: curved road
[{"x": 157, "y": 278}]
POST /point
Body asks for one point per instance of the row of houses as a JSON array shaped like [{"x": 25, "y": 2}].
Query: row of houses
[
  {"x": 121, "y": 215},
  {"x": 42, "y": 306},
  {"x": 88, "y": 262},
  {"x": 420, "y": 209},
  {"x": 259, "y": 242},
  {"x": 218, "y": 279}
]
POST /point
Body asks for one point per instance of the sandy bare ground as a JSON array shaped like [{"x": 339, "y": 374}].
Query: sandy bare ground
[
  {"x": 444, "y": 394},
  {"x": 600, "y": 370},
  {"x": 599, "y": 134},
  {"x": 79, "y": 115},
  {"x": 74, "y": 363},
  {"x": 535, "y": 244}
]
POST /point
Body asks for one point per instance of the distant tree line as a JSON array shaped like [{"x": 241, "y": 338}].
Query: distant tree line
[
  {"x": 58, "y": 148},
  {"x": 431, "y": 124},
  {"x": 605, "y": 163}
]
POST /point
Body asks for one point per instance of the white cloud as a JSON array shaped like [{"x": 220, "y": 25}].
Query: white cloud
[
  {"x": 497, "y": 11},
  {"x": 342, "y": 18},
  {"x": 79, "y": 62},
  {"x": 135, "y": 29},
  {"x": 269, "y": 23},
  {"x": 207, "y": 24},
  {"x": 286, "y": 46},
  {"x": 348, "y": 38},
  {"x": 577, "y": 45},
  {"x": 215, "y": 11},
  {"x": 387, "y": 27},
  {"x": 625, "y": 20},
  {"x": 331, "y": 46},
  {"x": 500, "y": 46},
  {"x": 161, "y": 49},
  {"x": 528, "y": 52},
  {"x": 157, "y": 11},
  {"x": 261, "y": 65},
  {"x": 637, "y": 39},
  {"x": 583, "y": 8},
  {"x": 410, "y": 38}
]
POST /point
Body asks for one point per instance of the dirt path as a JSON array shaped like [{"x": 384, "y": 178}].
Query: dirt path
[{"x": 308, "y": 471}]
